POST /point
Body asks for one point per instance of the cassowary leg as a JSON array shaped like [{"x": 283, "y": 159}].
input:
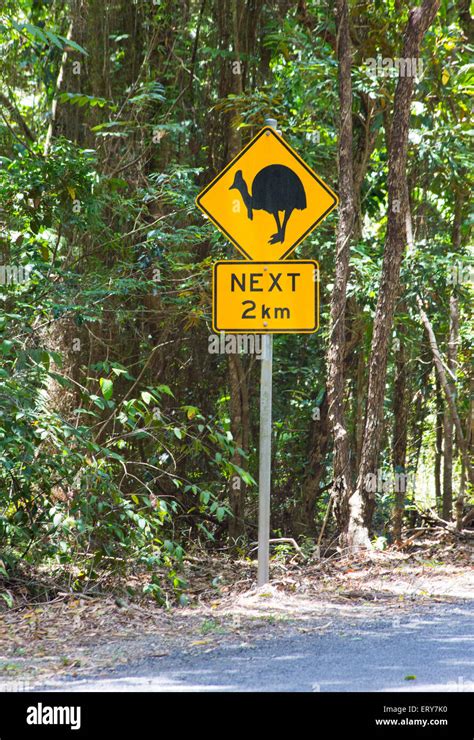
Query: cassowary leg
[
  {"x": 285, "y": 221},
  {"x": 276, "y": 237}
]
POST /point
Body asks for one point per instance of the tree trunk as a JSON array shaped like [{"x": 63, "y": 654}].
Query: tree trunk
[
  {"x": 448, "y": 422},
  {"x": 439, "y": 447},
  {"x": 341, "y": 453},
  {"x": 362, "y": 502},
  {"x": 447, "y": 509},
  {"x": 359, "y": 406},
  {"x": 400, "y": 434},
  {"x": 447, "y": 392},
  {"x": 239, "y": 422},
  {"x": 59, "y": 82},
  {"x": 232, "y": 27},
  {"x": 448, "y": 417},
  {"x": 418, "y": 423},
  {"x": 461, "y": 520},
  {"x": 303, "y": 518}
]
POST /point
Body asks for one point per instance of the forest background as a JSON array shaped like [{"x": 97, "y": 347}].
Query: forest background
[{"x": 126, "y": 442}]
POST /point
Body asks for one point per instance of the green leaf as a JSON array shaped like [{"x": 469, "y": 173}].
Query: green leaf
[
  {"x": 220, "y": 513},
  {"x": 147, "y": 397},
  {"x": 82, "y": 100},
  {"x": 7, "y": 597},
  {"x": 107, "y": 388},
  {"x": 33, "y": 30},
  {"x": 205, "y": 497},
  {"x": 54, "y": 39},
  {"x": 191, "y": 411},
  {"x": 165, "y": 389},
  {"x": 74, "y": 45},
  {"x": 6, "y": 346}
]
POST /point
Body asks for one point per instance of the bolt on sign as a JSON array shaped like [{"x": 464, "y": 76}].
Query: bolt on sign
[
  {"x": 265, "y": 297},
  {"x": 267, "y": 200}
]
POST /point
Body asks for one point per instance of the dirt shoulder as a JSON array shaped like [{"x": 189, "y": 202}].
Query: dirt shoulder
[{"x": 73, "y": 636}]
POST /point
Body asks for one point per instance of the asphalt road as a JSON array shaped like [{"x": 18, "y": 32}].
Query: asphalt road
[{"x": 436, "y": 645}]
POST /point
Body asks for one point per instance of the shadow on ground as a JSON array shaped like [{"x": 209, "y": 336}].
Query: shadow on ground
[{"x": 428, "y": 651}]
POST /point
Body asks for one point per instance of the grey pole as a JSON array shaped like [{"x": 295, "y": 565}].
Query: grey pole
[{"x": 265, "y": 456}]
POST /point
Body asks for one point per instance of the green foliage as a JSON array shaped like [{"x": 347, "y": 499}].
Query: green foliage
[{"x": 77, "y": 489}]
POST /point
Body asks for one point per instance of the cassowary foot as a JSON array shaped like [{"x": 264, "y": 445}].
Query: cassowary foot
[{"x": 275, "y": 238}]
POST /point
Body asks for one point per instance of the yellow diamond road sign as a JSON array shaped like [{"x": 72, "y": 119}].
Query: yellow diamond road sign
[
  {"x": 265, "y": 297},
  {"x": 267, "y": 200}
]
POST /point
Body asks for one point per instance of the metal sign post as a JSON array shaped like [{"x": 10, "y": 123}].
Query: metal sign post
[
  {"x": 265, "y": 452},
  {"x": 265, "y": 459}
]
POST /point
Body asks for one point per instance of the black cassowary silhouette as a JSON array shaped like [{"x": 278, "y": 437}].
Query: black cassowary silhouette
[{"x": 275, "y": 188}]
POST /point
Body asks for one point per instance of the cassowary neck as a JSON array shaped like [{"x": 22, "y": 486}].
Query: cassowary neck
[{"x": 246, "y": 197}]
